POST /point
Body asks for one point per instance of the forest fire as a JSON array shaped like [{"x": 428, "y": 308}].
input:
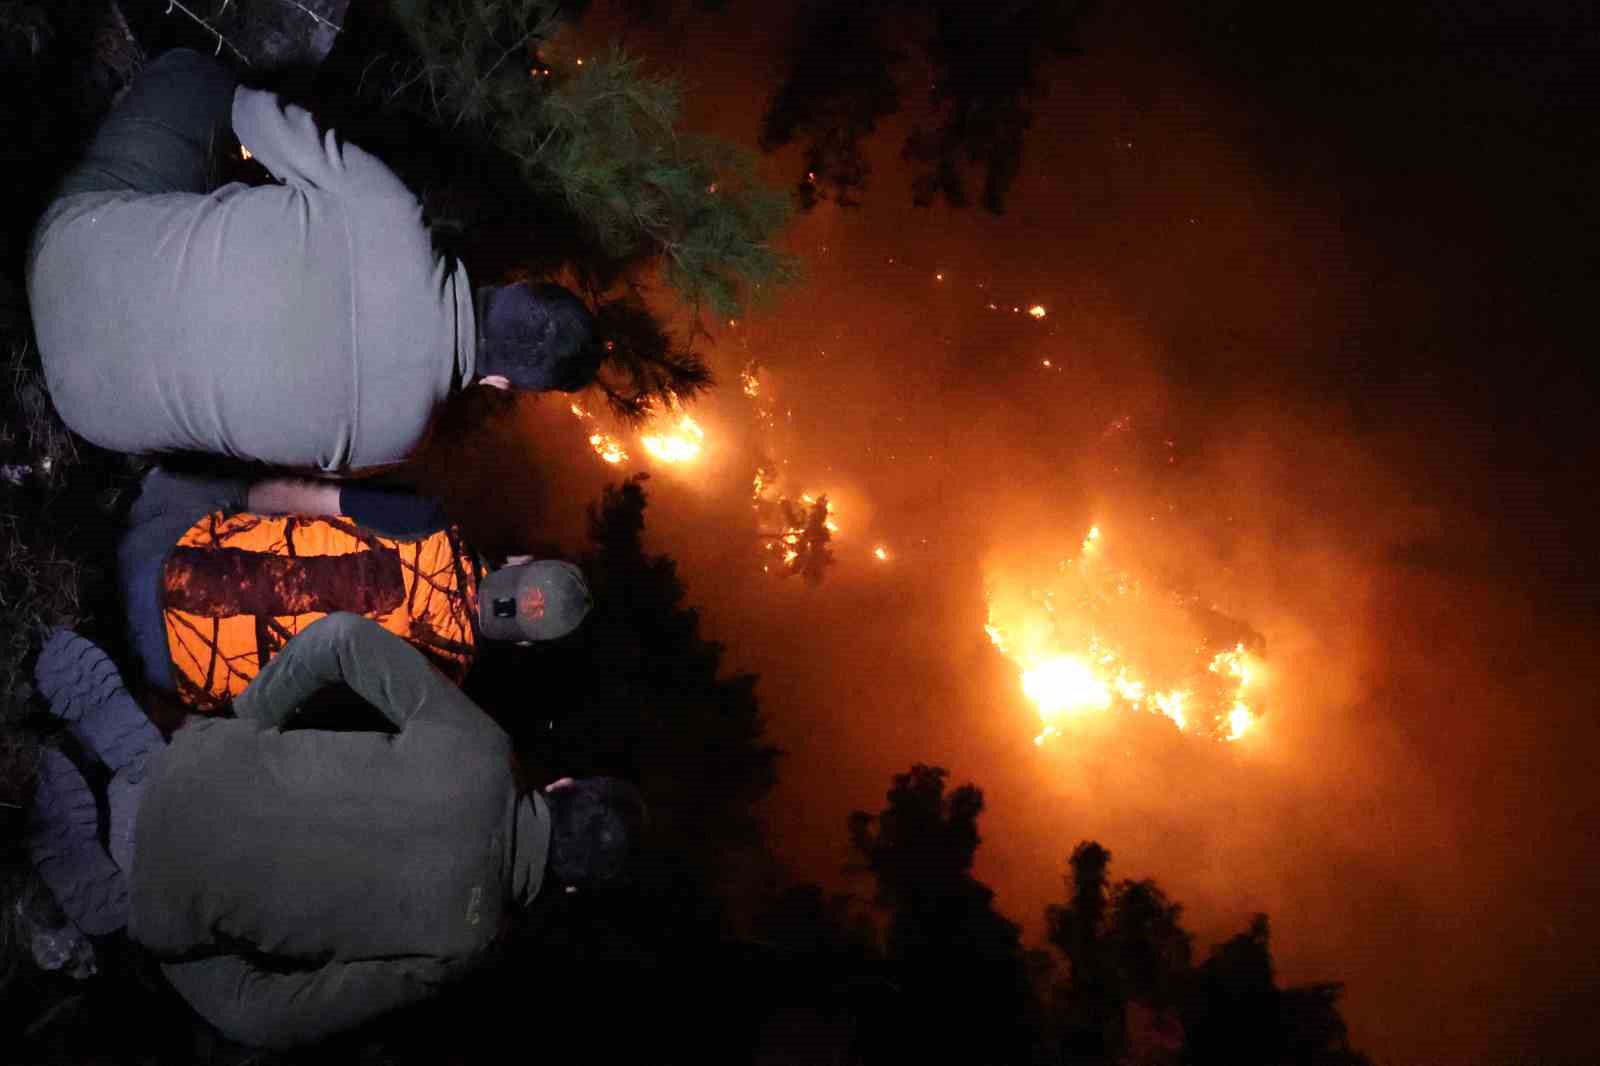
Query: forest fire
[
  {"x": 675, "y": 440},
  {"x": 1088, "y": 641},
  {"x": 678, "y": 442}
]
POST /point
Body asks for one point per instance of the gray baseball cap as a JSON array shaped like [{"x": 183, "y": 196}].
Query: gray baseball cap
[{"x": 541, "y": 600}]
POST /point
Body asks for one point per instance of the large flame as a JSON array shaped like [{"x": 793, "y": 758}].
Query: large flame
[
  {"x": 1071, "y": 636},
  {"x": 679, "y": 441}
]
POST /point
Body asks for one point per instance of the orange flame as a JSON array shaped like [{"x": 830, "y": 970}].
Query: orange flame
[
  {"x": 1068, "y": 669},
  {"x": 674, "y": 440},
  {"x": 607, "y": 447},
  {"x": 679, "y": 443}
]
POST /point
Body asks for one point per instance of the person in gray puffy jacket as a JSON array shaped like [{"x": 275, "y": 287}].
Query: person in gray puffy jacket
[{"x": 306, "y": 324}]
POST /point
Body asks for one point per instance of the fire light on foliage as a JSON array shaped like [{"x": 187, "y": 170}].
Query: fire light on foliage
[
  {"x": 796, "y": 533},
  {"x": 830, "y": 523},
  {"x": 1083, "y": 640}
]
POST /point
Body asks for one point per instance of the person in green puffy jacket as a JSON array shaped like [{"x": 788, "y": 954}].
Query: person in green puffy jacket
[
  {"x": 306, "y": 324},
  {"x": 297, "y": 882}
]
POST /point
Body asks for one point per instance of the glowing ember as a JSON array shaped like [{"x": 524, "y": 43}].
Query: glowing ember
[
  {"x": 881, "y": 553},
  {"x": 1037, "y": 311},
  {"x": 1088, "y": 642},
  {"x": 679, "y": 443}
]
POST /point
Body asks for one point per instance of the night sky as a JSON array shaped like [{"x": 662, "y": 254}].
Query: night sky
[{"x": 1318, "y": 301}]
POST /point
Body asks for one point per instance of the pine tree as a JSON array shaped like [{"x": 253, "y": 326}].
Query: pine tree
[
  {"x": 616, "y": 194},
  {"x": 847, "y": 61},
  {"x": 959, "y": 959}
]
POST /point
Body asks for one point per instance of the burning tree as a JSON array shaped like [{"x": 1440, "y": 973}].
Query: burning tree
[{"x": 804, "y": 543}]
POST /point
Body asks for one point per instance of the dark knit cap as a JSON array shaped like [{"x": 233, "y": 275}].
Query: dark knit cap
[{"x": 538, "y": 337}]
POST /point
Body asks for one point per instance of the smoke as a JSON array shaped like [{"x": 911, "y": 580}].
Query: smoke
[{"x": 1214, "y": 386}]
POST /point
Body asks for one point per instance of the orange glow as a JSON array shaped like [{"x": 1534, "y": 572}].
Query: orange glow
[
  {"x": 1037, "y": 311},
  {"x": 881, "y": 553}
]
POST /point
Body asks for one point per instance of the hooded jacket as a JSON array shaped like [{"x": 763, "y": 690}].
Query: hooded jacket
[
  {"x": 298, "y": 882},
  {"x": 307, "y": 324}
]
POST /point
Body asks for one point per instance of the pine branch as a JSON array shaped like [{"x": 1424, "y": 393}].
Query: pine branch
[
  {"x": 314, "y": 16},
  {"x": 221, "y": 40}
]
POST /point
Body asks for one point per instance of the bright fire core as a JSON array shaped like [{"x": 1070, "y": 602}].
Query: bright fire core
[{"x": 1076, "y": 638}]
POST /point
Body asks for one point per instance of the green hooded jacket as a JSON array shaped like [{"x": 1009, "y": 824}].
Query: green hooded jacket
[
  {"x": 308, "y": 324},
  {"x": 298, "y": 882}
]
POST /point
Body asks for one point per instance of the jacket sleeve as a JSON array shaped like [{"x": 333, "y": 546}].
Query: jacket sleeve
[
  {"x": 268, "y": 1009},
  {"x": 288, "y": 142},
  {"x": 381, "y": 668}
]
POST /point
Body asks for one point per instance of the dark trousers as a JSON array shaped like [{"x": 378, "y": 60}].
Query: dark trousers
[{"x": 165, "y": 135}]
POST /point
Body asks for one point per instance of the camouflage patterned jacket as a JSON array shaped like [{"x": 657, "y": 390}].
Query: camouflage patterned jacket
[{"x": 213, "y": 591}]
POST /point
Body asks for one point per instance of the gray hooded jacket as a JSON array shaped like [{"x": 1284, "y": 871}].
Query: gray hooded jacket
[{"x": 308, "y": 324}]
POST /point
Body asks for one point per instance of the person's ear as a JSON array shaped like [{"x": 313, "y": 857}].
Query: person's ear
[{"x": 495, "y": 381}]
